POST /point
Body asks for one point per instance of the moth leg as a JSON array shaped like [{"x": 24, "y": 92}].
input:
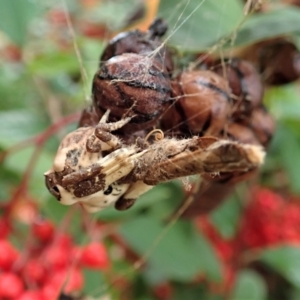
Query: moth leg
[
  {"x": 128, "y": 199},
  {"x": 93, "y": 145},
  {"x": 103, "y": 133}
]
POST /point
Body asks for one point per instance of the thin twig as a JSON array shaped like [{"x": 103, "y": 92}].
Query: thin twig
[{"x": 83, "y": 72}]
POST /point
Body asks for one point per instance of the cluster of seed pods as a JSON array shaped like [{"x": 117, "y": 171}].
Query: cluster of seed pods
[{"x": 137, "y": 78}]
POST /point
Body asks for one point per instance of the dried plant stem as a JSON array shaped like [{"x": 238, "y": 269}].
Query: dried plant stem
[{"x": 83, "y": 72}]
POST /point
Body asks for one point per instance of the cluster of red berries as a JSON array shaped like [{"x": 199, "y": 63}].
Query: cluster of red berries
[
  {"x": 268, "y": 220},
  {"x": 50, "y": 265}
]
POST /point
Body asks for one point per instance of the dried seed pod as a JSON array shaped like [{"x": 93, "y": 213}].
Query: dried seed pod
[
  {"x": 263, "y": 125},
  {"x": 217, "y": 189},
  {"x": 89, "y": 117},
  {"x": 230, "y": 177},
  {"x": 140, "y": 42},
  {"x": 241, "y": 133},
  {"x": 132, "y": 85},
  {"x": 258, "y": 129},
  {"x": 202, "y": 104},
  {"x": 245, "y": 84},
  {"x": 207, "y": 200},
  {"x": 279, "y": 62}
]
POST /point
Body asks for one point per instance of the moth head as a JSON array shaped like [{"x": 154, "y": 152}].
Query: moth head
[{"x": 91, "y": 203}]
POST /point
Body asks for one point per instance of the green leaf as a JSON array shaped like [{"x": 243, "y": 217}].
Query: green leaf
[
  {"x": 285, "y": 260},
  {"x": 15, "y": 17},
  {"x": 226, "y": 216},
  {"x": 18, "y": 162},
  {"x": 180, "y": 254},
  {"x": 288, "y": 148},
  {"x": 183, "y": 291},
  {"x": 295, "y": 294},
  {"x": 268, "y": 25},
  {"x": 54, "y": 63},
  {"x": 19, "y": 125},
  {"x": 283, "y": 101},
  {"x": 17, "y": 92},
  {"x": 94, "y": 282},
  {"x": 197, "y": 25},
  {"x": 249, "y": 286},
  {"x": 53, "y": 209},
  {"x": 8, "y": 181},
  {"x": 169, "y": 202}
]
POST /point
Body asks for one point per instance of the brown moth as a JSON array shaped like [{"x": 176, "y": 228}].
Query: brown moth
[{"x": 93, "y": 167}]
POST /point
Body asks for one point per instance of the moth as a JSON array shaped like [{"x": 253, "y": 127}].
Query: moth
[{"x": 95, "y": 168}]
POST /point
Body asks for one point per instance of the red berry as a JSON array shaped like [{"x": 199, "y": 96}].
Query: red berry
[
  {"x": 34, "y": 272},
  {"x": 57, "y": 17},
  {"x": 31, "y": 295},
  {"x": 269, "y": 219},
  {"x": 8, "y": 255},
  {"x": 68, "y": 280},
  {"x": 4, "y": 229},
  {"x": 11, "y": 286},
  {"x": 267, "y": 200},
  {"x": 43, "y": 230},
  {"x": 12, "y": 53},
  {"x": 74, "y": 282},
  {"x": 64, "y": 241},
  {"x": 94, "y": 256},
  {"x": 56, "y": 257},
  {"x": 50, "y": 291},
  {"x": 163, "y": 291}
]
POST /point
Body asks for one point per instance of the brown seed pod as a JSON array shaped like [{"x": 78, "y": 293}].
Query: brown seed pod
[
  {"x": 241, "y": 133},
  {"x": 140, "y": 42},
  {"x": 217, "y": 189},
  {"x": 89, "y": 117},
  {"x": 292, "y": 2},
  {"x": 132, "y": 85},
  {"x": 245, "y": 84},
  {"x": 258, "y": 129},
  {"x": 262, "y": 125},
  {"x": 202, "y": 104},
  {"x": 207, "y": 200},
  {"x": 279, "y": 62},
  {"x": 231, "y": 177}
]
